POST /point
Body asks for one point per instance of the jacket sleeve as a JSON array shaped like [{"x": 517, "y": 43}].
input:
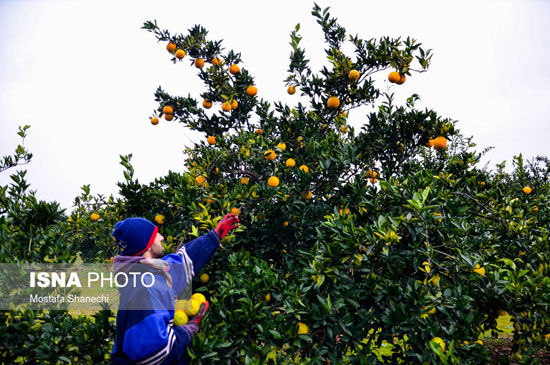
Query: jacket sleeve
[{"x": 198, "y": 252}]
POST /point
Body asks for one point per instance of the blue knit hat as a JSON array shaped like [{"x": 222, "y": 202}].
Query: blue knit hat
[{"x": 134, "y": 236}]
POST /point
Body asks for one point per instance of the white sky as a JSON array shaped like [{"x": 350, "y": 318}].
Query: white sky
[{"x": 82, "y": 73}]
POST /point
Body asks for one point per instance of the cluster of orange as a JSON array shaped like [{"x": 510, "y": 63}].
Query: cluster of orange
[{"x": 396, "y": 78}]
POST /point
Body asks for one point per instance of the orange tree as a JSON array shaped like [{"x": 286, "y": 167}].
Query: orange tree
[{"x": 349, "y": 238}]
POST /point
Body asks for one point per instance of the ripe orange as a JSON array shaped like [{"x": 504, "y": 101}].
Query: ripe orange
[
  {"x": 244, "y": 180},
  {"x": 307, "y": 195},
  {"x": 171, "y": 47},
  {"x": 440, "y": 143},
  {"x": 291, "y": 90},
  {"x": 401, "y": 80},
  {"x": 199, "y": 63},
  {"x": 211, "y": 140},
  {"x": 333, "y": 102},
  {"x": 282, "y": 146},
  {"x": 216, "y": 61},
  {"x": 354, "y": 75},
  {"x": 234, "y": 69},
  {"x": 430, "y": 143},
  {"x": 270, "y": 155},
  {"x": 290, "y": 163},
  {"x": 154, "y": 121},
  {"x": 343, "y": 129},
  {"x": 273, "y": 181},
  {"x": 251, "y": 90},
  {"x": 180, "y": 53},
  {"x": 527, "y": 190},
  {"x": 285, "y": 224},
  {"x": 373, "y": 180},
  {"x": 268, "y": 297},
  {"x": 394, "y": 77},
  {"x": 168, "y": 117},
  {"x": 304, "y": 168},
  {"x": 234, "y": 104},
  {"x": 159, "y": 218},
  {"x": 94, "y": 217},
  {"x": 226, "y": 107},
  {"x": 303, "y": 329},
  {"x": 168, "y": 110},
  {"x": 259, "y": 131},
  {"x": 200, "y": 180},
  {"x": 207, "y": 104},
  {"x": 210, "y": 201},
  {"x": 235, "y": 210}
]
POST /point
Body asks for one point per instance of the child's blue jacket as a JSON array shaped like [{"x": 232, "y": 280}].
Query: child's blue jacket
[{"x": 144, "y": 327}]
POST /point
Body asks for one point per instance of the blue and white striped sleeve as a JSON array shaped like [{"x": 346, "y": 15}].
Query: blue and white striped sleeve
[{"x": 198, "y": 252}]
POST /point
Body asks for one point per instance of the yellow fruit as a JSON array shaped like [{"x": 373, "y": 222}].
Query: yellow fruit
[
  {"x": 235, "y": 210},
  {"x": 207, "y": 104},
  {"x": 479, "y": 342},
  {"x": 171, "y": 47},
  {"x": 307, "y": 195},
  {"x": 154, "y": 121},
  {"x": 268, "y": 297},
  {"x": 211, "y": 140},
  {"x": 285, "y": 224},
  {"x": 303, "y": 329},
  {"x": 251, "y": 90},
  {"x": 282, "y": 146},
  {"x": 258, "y": 131},
  {"x": 234, "y": 104},
  {"x": 291, "y": 90},
  {"x": 394, "y": 77},
  {"x": 333, "y": 102},
  {"x": 199, "y": 296},
  {"x": 168, "y": 110},
  {"x": 195, "y": 306},
  {"x": 234, "y": 69},
  {"x": 199, "y": 63},
  {"x": 216, "y": 61},
  {"x": 168, "y": 117},
  {"x": 440, "y": 143},
  {"x": 226, "y": 107},
  {"x": 304, "y": 168},
  {"x": 273, "y": 181},
  {"x": 343, "y": 129},
  {"x": 270, "y": 155},
  {"x": 354, "y": 75},
  {"x": 159, "y": 218},
  {"x": 180, "y": 318},
  {"x": 244, "y": 180},
  {"x": 112, "y": 259},
  {"x": 527, "y": 190},
  {"x": 180, "y": 53},
  {"x": 290, "y": 163},
  {"x": 439, "y": 341},
  {"x": 200, "y": 180},
  {"x": 479, "y": 270},
  {"x": 94, "y": 217},
  {"x": 181, "y": 305}
]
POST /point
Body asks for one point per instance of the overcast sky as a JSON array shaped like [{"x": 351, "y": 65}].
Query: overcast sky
[{"x": 82, "y": 73}]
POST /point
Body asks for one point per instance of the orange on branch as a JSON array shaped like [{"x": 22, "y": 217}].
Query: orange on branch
[
  {"x": 354, "y": 75},
  {"x": 291, "y": 90},
  {"x": 199, "y": 63},
  {"x": 168, "y": 117},
  {"x": 168, "y": 110},
  {"x": 270, "y": 155},
  {"x": 234, "y": 104},
  {"x": 207, "y": 104},
  {"x": 251, "y": 90},
  {"x": 180, "y": 53},
  {"x": 333, "y": 102},
  {"x": 171, "y": 47},
  {"x": 211, "y": 140},
  {"x": 440, "y": 143},
  {"x": 290, "y": 162},
  {"x": 154, "y": 121},
  {"x": 273, "y": 181},
  {"x": 226, "y": 106},
  {"x": 216, "y": 61},
  {"x": 234, "y": 69}
]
